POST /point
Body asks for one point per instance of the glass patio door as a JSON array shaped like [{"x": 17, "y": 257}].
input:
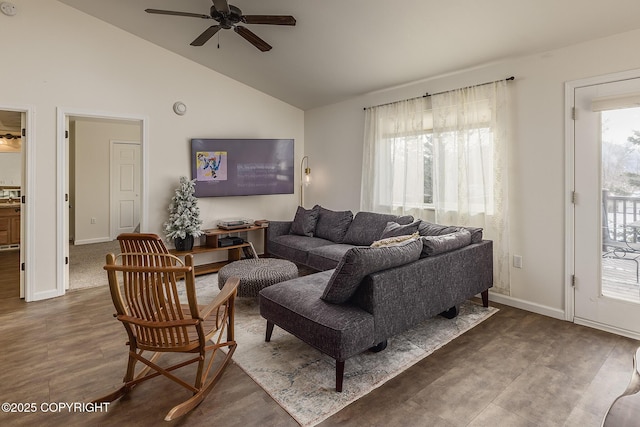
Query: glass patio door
[{"x": 607, "y": 206}]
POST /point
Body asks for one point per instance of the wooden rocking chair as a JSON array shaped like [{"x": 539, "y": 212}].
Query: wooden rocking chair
[
  {"x": 148, "y": 306},
  {"x": 141, "y": 243}
]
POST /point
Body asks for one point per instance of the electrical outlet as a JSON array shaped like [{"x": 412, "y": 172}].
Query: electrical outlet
[
  {"x": 517, "y": 261},
  {"x": 93, "y": 220}
]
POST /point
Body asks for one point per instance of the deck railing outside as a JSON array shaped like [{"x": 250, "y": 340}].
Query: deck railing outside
[{"x": 620, "y": 212}]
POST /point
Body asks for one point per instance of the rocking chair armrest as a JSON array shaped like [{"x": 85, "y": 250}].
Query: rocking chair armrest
[
  {"x": 152, "y": 324},
  {"x": 228, "y": 292}
]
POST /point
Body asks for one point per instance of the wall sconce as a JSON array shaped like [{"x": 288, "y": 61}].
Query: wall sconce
[{"x": 305, "y": 177}]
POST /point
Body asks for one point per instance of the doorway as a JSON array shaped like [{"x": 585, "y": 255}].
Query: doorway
[
  {"x": 13, "y": 155},
  {"x": 87, "y": 190},
  {"x": 605, "y": 150}
]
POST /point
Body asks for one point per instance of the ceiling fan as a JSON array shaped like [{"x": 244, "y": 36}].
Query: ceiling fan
[{"x": 228, "y": 16}]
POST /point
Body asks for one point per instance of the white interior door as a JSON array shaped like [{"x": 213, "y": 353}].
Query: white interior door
[
  {"x": 125, "y": 187},
  {"x": 66, "y": 207},
  {"x": 23, "y": 240},
  {"x": 607, "y": 206}
]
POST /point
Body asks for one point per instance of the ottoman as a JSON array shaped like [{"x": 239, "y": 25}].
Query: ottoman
[{"x": 257, "y": 274}]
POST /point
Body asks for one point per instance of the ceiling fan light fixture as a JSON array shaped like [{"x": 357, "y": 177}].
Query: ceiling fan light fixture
[{"x": 228, "y": 16}]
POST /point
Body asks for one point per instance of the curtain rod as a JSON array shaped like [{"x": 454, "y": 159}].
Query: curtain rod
[{"x": 439, "y": 93}]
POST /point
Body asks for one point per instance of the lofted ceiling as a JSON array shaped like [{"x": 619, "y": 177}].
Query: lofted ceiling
[{"x": 343, "y": 48}]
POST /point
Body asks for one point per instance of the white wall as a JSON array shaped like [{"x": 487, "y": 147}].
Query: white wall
[
  {"x": 70, "y": 60},
  {"x": 538, "y": 197}
]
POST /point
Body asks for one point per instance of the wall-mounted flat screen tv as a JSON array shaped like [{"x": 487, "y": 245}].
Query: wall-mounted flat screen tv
[{"x": 242, "y": 167}]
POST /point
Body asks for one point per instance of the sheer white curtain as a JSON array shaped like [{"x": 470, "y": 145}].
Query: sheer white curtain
[
  {"x": 397, "y": 150},
  {"x": 470, "y": 132},
  {"x": 445, "y": 153}
]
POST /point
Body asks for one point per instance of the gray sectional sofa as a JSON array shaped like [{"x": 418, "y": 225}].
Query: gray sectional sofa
[{"x": 363, "y": 295}]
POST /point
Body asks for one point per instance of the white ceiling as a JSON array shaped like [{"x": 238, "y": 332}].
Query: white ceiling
[{"x": 343, "y": 48}]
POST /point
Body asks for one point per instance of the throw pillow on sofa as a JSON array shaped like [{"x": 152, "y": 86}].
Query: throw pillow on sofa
[
  {"x": 358, "y": 262},
  {"x": 434, "y": 245},
  {"x": 430, "y": 229},
  {"x": 367, "y": 227},
  {"x": 304, "y": 223},
  {"x": 332, "y": 225},
  {"x": 394, "y": 229},
  {"x": 394, "y": 240}
]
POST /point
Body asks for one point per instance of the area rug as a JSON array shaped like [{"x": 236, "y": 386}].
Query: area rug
[{"x": 302, "y": 380}]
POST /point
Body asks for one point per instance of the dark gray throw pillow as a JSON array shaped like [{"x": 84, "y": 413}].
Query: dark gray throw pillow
[
  {"x": 434, "y": 245},
  {"x": 393, "y": 229},
  {"x": 332, "y": 225},
  {"x": 476, "y": 234},
  {"x": 304, "y": 223},
  {"x": 359, "y": 261},
  {"x": 426, "y": 228},
  {"x": 367, "y": 227}
]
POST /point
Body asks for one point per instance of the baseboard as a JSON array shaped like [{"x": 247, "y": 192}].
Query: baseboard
[
  {"x": 89, "y": 241},
  {"x": 606, "y": 328},
  {"x": 527, "y": 305},
  {"x": 43, "y": 295}
]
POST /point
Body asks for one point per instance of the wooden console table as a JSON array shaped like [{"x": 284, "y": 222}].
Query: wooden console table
[{"x": 234, "y": 253}]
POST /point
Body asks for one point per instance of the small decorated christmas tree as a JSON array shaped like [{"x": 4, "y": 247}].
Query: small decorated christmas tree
[{"x": 184, "y": 216}]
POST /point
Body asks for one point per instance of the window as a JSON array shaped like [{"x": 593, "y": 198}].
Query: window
[
  {"x": 411, "y": 160},
  {"x": 465, "y": 170},
  {"x": 443, "y": 156}
]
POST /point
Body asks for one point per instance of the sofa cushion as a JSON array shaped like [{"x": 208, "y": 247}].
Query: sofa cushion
[
  {"x": 426, "y": 228},
  {"x": 433, "y": 245},
  {"x": 304, "y": 223},
  {"x": 341, "y": 331},
  {"x": 367, "y": 227},
  {"x": 326, "y": 257},
  {"x": 332, "y": 225},
  {"x": 358, "y": 262},
  {"x": 394, "y": 229},
  {"x": 295, "y": 248}
]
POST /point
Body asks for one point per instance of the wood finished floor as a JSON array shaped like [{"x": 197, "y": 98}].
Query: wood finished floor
[{"x": 515, "y": 369}]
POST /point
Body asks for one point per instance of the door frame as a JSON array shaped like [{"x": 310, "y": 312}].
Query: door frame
[
  {"x": 569, "y": 95},
  {"x": 62, "y": 223},
  {"x": 27, "y": 209}
]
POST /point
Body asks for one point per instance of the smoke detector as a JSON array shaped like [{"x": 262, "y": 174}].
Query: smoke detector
[{"x": 7, "y": 8}]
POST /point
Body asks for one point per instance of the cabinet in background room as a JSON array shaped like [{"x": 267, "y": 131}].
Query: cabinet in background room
[{"x": 9, "y": 225}]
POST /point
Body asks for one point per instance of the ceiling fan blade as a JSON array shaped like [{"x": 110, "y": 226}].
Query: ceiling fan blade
[
  {"x": 206, "y": 35},
  {"x": 252, "y": 38},
  {"x": 171, "y": 12},
  {"x": 222, "y": 6},
  {"x": 269, "y": 19}
]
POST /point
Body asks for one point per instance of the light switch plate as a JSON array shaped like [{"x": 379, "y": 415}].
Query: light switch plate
[
  {"x": 517, "y": 261},
  {"x": 7, "y": 8}
]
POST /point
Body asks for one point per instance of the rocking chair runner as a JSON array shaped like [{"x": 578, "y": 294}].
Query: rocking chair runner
[{"x": 147, "y": 304}]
